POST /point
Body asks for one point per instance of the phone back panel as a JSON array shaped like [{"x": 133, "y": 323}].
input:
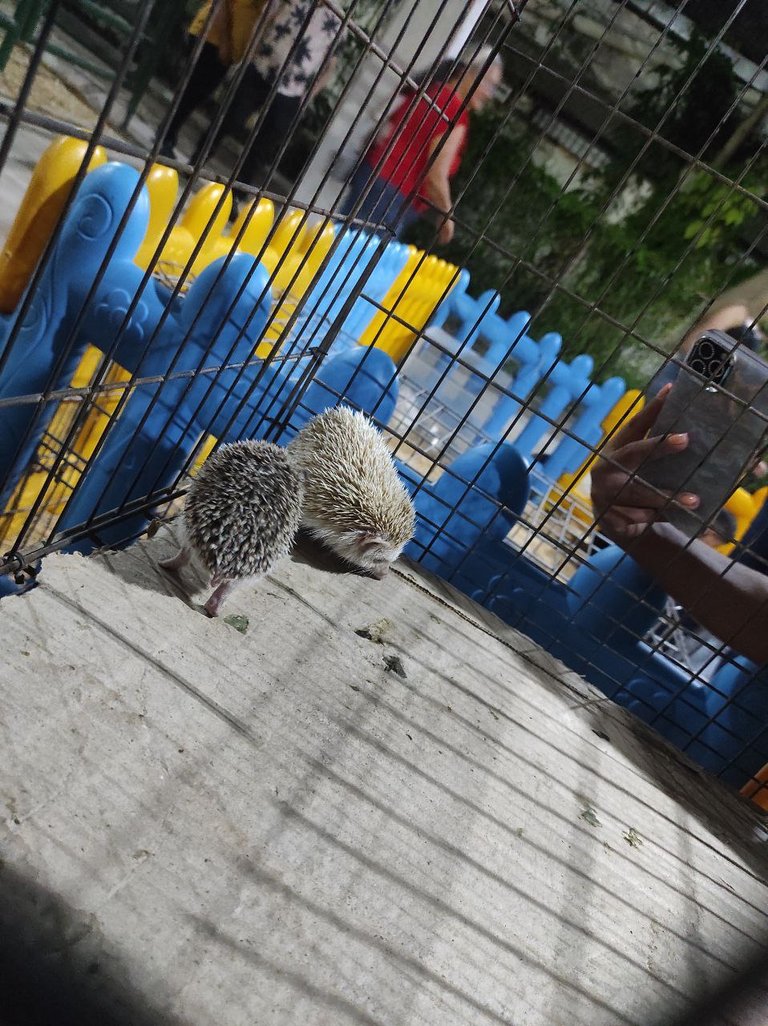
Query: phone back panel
[{"x": 726, "y": 424}]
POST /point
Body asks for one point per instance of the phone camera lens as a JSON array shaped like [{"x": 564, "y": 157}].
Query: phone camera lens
[
  {"x": 705, "y": 349},
  {"x": 716, "y": 370}
]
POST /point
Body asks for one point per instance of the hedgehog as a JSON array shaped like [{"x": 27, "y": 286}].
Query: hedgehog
[
  {"x": 354, "y": 501},
  {"x": 241, "y": 514}
]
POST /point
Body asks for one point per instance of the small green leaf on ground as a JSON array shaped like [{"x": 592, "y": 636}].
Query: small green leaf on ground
[
  {"x": 633, "y": 839},
  {"x": 588, "y": 814},
  {"x": 238, "y": 621}
]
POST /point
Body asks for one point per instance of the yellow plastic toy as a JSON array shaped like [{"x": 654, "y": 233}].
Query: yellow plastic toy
[
  {"x": 79, "y": 450},
  {"x": 197, "y": 223},
  {"x": 757, "y": 788},
  {"x": 289, "y": 244},
  {"x": 289, "y": 231},
  {"x": 294, "y": 273},
  {"x": 43, "y": 202},
  {"x": 572, "y": 485},
  {"x": 411, "y": 300},
  {"x": 303, "y": 259},
  {"x": 744, "y": 506},
  {"x": 255, "y": 233},
  {"x": 162, "y": 185}
]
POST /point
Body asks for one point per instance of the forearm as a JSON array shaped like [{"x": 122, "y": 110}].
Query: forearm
[
  {"x": 726, "y": 598},
  {"x": 438, "y": 190},
  {"x": 442, "y": 156}
]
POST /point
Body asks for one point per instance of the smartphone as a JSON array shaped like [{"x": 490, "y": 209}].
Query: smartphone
[{"x": 720, "y": 398}]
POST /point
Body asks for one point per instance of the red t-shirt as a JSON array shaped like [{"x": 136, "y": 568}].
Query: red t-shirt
[{"x": 411, "y": 129}]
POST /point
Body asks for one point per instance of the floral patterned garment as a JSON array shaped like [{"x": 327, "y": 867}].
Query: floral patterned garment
[{"x": 298, "y": 39}]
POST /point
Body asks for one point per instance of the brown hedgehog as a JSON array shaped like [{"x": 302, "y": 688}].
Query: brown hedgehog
[
  {"x": 241, "y": 514},
  {"x": 354, "y": 502}
]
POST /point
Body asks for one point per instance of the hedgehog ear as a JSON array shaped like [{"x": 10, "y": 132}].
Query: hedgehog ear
[{"x": 370, "y": 539}]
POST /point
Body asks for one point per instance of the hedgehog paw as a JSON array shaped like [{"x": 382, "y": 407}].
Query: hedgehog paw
[
  {"x": 211, "y": 607},
  {"x": 176, "y": 562}
]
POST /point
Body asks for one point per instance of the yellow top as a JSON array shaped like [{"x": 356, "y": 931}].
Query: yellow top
[{"x": 231, "y": 27}]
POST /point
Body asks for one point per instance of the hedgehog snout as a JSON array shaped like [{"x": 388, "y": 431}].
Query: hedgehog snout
[{"x": 377, "y": 561}]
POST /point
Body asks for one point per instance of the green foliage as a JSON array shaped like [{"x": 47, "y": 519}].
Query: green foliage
[
  {"x": 691, "y": 106},
  {"x": 716, "y": 208},
  {"x": 583, "y": 270},
  {"x": 522, "y": 229}
]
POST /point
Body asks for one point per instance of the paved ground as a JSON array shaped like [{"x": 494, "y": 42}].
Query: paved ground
[{"x": 209, "y": 827}]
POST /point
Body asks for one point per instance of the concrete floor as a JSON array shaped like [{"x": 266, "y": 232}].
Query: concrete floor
[{"x": 209, "y": 827}]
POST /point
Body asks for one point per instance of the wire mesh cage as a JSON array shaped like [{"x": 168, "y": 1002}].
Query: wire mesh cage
[{"x": 499, "y": 229}]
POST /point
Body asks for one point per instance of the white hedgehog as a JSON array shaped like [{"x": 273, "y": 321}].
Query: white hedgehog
[
  {"x": 241, "y": 514},
  {"x": 354, "y": 502}
]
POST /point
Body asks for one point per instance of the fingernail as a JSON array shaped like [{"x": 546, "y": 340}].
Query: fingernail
[
  {"x": 689, "y": 499},
  {"x": 678, "y": 439}
]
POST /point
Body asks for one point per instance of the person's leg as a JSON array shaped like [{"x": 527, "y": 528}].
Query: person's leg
[
  {"x": 355, "y": 187},
  {"x": 384, "y": 204},
  {"x": 236, "y": 114},
  {"x": 205, "y": 78},
  {"x": 277, "y": 125}
]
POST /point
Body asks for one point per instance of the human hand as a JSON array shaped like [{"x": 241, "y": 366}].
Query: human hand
[
  {"x": 624, "y": 506},
  {"x": 445, "y": 234}
]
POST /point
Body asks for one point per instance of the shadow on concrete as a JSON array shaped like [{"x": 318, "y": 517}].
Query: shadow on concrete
[
  {"x": 139, "y": 566},
  {"x": 54, "y": 967},
  {"x": 307, "y": 550}
]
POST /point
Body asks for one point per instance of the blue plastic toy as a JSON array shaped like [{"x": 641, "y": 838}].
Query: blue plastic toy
[
  {"x": 356, "y": 260},
  {"x": 480, "y": 495},
  {"x": 44, "y": 355},
  {"x": 220, "y": 322},
  {"x": 586, "y": 432},
  {"x": 537, "y": 360},
  {"x": 365, "y": 379},
  {"x": 216, "y": 325},
  {"x": 567, "y": 382}
]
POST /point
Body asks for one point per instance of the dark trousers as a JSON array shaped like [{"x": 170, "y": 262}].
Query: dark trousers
[
  {"x": 207, "y": 75},
  {"x": 252, "y": 94},
  {"x": 384, "y": 204}
]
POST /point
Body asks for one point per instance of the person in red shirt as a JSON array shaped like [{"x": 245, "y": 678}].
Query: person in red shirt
[{"x": 408, "y": 166}]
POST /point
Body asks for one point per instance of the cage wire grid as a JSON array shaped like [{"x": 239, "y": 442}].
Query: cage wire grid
[
  {"x": 554, "y": 425},
  {"x": 556, "y": 531},
  {"x": 183, "y": 276},
  {"x": 332, "y": 332}
]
